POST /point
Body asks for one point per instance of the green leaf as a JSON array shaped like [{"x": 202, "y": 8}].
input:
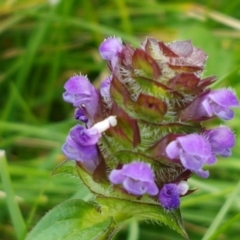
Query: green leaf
[
  {"x": 71, "y": 220},
  {"x": 123, "y": 206},
  {"x": 66, "y": 167},
  {"x": 122, "y": 209}
]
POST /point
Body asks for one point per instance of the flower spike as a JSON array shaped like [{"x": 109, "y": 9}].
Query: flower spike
[{"x": 142, "y": 136}]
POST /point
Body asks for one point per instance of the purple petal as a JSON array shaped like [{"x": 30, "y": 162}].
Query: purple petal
[
  {"x": 83, "y": 136},
  {"x": 110, "y": 48},
  {"x": 173, "y": 150},
  {"x": 195, "y": 144},
  {"x": 137, "y": 178},
  {"x": 169, "y": 197},
  {"x": 105, "y": 89},
  {"x": 191, "y": 162},
  {"x": 116, "y": 176},
  {"x": 134, "y": 187},
  {"x": 88, "y": 156},
  {"x": 221, "y": 140},
  {"x": 211, "y": 160},
  {"x": 70, "y": 149},
  {"x": 221, "y": 101},
  {"x": 139, "y": 171},
  {"x": 201, "y": 173},
  {"x": 224, "y": 98},
  {"x": 78, "y": 85},
  {"x": 207, "y": 107},
  {"x": 80, "y": 92},
  {"x": 182, "y": 187},
  {"x": 222, "y": 112},
  {"x": 79, "y": 115},
  {"x": 152, "y": 188}
]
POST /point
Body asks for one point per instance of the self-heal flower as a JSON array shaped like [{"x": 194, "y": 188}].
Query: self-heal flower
[
  {"x": 110, "y": 48},
  {"x": 193, "y": 151},
  {"x": 169, "y": 195},
  {"x": 81, "y": 143},
  {"x": 160, "y": 100},
  {"x": 81, "y": 93},
  {"x": 213, "y": 103},
  {"x": 81, "y": 146},
  {"x": 137, "y": 178},
  {"x": 221, "y": 140},
  {"x": 219, "y": 102}
]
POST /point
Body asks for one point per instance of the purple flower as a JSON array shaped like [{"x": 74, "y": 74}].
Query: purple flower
[
  {"x": 81, "y": 146},
  {"x": 81, "y": 143},
  {"x": 137, "y": 178},
  {"x": 81, "y": 93},
  {"x": 110, "y": 48},
  {"x": 221, "y": 140},
  {"x": 193, "y": 151},
  {"x": 219, "y": 102},
  {"x": 215, "y": 102},
  {"x": 169, "y": 195}
]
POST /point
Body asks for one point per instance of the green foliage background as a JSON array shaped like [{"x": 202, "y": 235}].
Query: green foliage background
[{"x": 42, "y": 45}]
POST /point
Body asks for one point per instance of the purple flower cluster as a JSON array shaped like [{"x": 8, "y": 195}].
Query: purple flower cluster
[{"x": 189, "y": 152}]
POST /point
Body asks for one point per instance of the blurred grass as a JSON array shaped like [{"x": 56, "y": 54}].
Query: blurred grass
[{"x": 42, "y": 45}]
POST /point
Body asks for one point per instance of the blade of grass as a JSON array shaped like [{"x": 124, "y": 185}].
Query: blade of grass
[
  {"x": 33, "y": 46},
  {"x": 65, "y": 11},
  {"x": 15, "y": 213},
  {"x": 221, "y": 214},
  {"x": 226, "y": 226},
  {"x": 23, "y": 104},
  {"x": 91, "y": 16},
  {"x": 124, "y": 12},
  {"x": 133, "y": 231},
  {"x": 36, "y": 203},
  {"x": 28, "y": 130},
  {"x": 91, "y": 27}
]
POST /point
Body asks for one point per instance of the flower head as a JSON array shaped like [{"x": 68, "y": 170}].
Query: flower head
[
  {"x": 151, "y": 108},
  {"x": 137, "y": 178}
]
